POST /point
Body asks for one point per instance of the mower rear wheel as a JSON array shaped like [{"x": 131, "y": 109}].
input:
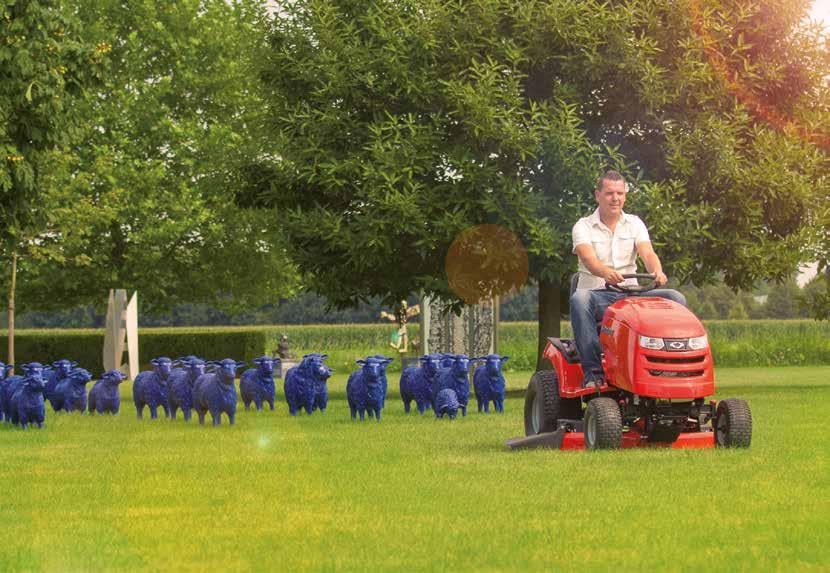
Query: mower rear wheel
[
  {"x": 543, "y": 405},
  {"x": 603, "y": 425},
  {"x": 733, "y": 424}
]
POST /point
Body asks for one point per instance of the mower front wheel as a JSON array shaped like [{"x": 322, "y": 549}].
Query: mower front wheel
[
  {"x": 603, "y": 425},
  {"x": 733, "y": 424},
  {"x": 544, "y": 407}
]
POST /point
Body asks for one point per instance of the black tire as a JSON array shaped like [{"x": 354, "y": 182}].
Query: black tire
[
  {"x": 733, "y": 424},
  {"x": 543, "y": 405},
  {"x": 603, "y": 425}
]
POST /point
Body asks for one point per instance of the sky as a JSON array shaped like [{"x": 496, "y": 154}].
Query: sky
[{"x": 821, "y": 11}]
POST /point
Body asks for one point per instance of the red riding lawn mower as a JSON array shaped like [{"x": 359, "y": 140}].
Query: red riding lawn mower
[{"x": 658, "y": 373}]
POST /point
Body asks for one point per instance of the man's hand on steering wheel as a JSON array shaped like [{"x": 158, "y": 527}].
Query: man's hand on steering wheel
[
  {"x": 660, "y": 278},
  {"x": 612, "y": 277}
]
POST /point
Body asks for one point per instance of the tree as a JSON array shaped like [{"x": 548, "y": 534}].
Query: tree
[
  {"x": 167, "y": 140},
  {"x": 400, "y": 124},
  {"x": 45, "y": 65}
]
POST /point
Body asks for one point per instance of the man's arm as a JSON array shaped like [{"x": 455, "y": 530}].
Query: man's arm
[
  {"x": 588, "y": 256},
  {"x": 652, "y": 261}
]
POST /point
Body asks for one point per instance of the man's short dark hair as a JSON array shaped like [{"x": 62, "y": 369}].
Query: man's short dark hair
[{"x": 611, "y": 175}]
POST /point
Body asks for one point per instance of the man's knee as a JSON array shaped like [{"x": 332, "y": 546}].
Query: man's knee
[
  {"x": 581, "y": 299},
  {"x": 674, "y": 295}
]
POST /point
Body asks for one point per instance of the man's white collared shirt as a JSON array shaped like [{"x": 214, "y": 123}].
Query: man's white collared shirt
[{"x": 617, "y": 250}]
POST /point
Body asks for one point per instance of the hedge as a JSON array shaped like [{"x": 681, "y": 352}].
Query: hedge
[{"x": 734, "y": 343}]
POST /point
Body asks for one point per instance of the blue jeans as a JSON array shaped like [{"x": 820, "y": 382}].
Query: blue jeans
[{"x": 587, "y": 309}]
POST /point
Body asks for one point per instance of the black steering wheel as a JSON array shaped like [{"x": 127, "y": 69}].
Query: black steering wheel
[{"x": 638, "y": 288}]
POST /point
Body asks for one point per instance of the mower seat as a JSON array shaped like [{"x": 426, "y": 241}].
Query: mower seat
[{"x": 566, "y": 347}]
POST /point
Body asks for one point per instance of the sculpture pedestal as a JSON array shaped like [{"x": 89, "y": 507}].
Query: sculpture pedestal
[
  {"x": 285, "y": 365},
  {"x": 474, "y": 333}
]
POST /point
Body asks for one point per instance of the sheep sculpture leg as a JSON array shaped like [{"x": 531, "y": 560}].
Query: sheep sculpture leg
[
  {"x": 271, "y": 403},
  {"x": 186, "y": 414},
  {"x": 258, "y": 402},
  {"x": 139, "y": 407}
]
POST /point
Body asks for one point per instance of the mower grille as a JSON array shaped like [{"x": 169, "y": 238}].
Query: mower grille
[
  {"x": 674, "y": 374},
  {"x": 688, "y": 360}
]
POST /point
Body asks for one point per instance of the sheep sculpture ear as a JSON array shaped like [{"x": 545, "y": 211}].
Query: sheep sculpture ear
[
  {"x": 240, "y": 364},
  {"x": 323, "y": 356},
  {"x": 505, "y": 358},
  {"x": 361, "y": 362}
]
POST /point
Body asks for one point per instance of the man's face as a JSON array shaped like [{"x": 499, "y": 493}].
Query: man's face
[{"x": 611, "y": 197}]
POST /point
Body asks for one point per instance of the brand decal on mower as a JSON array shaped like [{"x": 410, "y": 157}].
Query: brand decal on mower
[{"x": 676, "y": 344}]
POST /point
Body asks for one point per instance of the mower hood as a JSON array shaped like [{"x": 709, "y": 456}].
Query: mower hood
[{"x": 656, "y": 317}]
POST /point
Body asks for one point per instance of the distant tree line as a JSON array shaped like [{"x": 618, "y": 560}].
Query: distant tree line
[{"x": 715, "y": 301}]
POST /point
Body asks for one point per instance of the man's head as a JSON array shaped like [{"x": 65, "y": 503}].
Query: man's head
[{"x": 610, "y": 193}]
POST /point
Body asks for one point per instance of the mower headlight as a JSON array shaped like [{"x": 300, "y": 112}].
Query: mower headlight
[
  {"x": 698, "y": 343},
  {"x": 652, "y": 343}
]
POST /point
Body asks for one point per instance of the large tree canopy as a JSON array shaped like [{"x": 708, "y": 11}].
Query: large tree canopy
[
  {"x": 146, "y": 200},
  {"x": 398, "y": 124}
]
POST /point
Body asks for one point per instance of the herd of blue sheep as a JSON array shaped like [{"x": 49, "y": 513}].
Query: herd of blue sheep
[{"x": 441, "y": 383}]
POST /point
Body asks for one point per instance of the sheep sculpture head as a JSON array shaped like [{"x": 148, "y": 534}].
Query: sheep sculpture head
[
  {"x": 113, "y": 377},
  {"x": 162, "y": 366},
  {"x": 34, "y": 383},
  {"x": 373, "y": 368},
  {"x": 432, "y": 363},
  {"x": 196, "y": 367},
  {"x": 33, "y": 370},
  {"x": 492, "y": 362},
  {"x": 265, "y": 365},
  {"x": 314, "y": 363},
  {"x": 226, "y": 369},
  {"x": 80, "y": 377},
  {"x": 5, "y": 369},
  {"x": 460, "y": 364},
  {"x": 63, "y": 367},
  {"x": 447, "y": 360}
]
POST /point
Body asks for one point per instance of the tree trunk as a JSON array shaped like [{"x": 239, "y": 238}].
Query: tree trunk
[
  {"x": 11, "y": 310},
  {"x": 550, "y": 314}
]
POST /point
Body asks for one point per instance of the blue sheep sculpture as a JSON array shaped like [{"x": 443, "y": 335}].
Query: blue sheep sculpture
[
  {"x": 416, "y": 383},
  {"x": 364, "y": 389},
  {"x": 26, "y": 404},
  {"x": 55, "y": 375},
  {"x": 104, "y": 395},
  {"x": 383, "y": 379},
  {"x": 488, "y": 382},
  {"x": 446, "y": 403},
  {"x": 150, "y": 387},
  {"x": 447, "y": 359},
  {"x": 181, "y": 384},
  {"x": 11, "y": 385},
  {"x": 214, "y": 392},
  {"x": 257, "y": 384},
  {"x": 457, "y": 378},
  {"x": 305, "y": 383},
  {"x": 4, "y": 375},
  {"x": 70, "y": 393}
]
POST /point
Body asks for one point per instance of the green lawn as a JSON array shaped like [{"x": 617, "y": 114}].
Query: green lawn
[{"x": 413, "y": 493}]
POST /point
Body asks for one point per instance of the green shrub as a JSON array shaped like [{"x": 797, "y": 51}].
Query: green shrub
[{"x": 734, "y": 343}]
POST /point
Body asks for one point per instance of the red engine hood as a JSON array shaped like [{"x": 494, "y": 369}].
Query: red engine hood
[{"x": 657, "y": 317}]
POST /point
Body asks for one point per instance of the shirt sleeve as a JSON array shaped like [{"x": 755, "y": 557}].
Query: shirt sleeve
[
  {"x": 581, "y": 234},
  {"x": 640, "y": 232}
]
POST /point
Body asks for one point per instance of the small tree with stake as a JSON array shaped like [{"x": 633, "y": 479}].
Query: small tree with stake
[{"x": 44, "y": 69}]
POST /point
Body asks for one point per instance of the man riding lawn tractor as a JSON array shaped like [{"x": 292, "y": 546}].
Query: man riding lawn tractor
[{"x": 640, "y": 363}]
